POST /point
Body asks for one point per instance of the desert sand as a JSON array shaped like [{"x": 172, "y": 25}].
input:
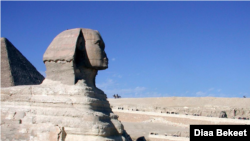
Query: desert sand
[{"x": 169, "y": 118}]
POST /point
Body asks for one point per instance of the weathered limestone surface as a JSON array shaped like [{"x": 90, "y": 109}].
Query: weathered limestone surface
[
  {"x": 15, "y": 68},
  {"x": 41, "y": 112},
  {"x": 61, "y": 110}
]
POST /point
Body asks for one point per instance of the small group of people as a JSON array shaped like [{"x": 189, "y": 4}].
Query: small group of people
[{"x": 116, "y": 96}]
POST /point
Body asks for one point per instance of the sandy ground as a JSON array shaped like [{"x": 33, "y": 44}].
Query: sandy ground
[
  {"x": 182, "y": 102},
  {"x": 157, "y": 126}
]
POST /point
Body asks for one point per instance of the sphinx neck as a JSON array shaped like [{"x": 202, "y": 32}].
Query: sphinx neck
[{"x": 88, "y": 75}]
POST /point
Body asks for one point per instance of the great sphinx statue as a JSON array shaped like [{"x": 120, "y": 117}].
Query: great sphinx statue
[
  {"x": 67, "y": 106},
  {"x": 75, "y": 54}
]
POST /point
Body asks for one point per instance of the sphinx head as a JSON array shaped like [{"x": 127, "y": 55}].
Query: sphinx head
[{"x": 74, "y": 54}]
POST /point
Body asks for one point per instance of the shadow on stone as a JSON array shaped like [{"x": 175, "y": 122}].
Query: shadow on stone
[{"x": 141, "y": 139}]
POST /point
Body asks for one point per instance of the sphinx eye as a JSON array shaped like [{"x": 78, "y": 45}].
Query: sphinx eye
[{"x": 98, "y": 42}]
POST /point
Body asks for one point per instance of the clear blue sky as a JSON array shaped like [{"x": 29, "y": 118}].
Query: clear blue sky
[{"x": 156, "y": 49}]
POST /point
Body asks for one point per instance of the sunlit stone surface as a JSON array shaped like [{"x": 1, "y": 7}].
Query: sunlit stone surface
[{"x": 67, "y": 106}]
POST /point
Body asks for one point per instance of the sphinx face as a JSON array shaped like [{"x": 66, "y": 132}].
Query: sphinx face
[{"x": 94, "y": 47}]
